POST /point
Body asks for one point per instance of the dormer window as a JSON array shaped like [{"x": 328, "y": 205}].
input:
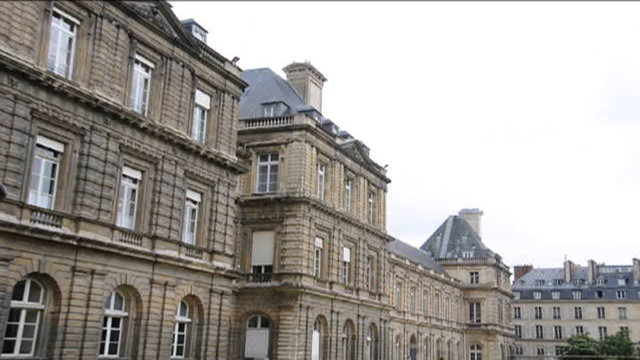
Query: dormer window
[
  {"x": 272, "y": 109},
  {"x": 196, "y": 30}
]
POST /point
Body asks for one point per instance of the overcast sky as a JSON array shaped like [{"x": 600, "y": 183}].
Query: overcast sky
[{"x": 529, "y": 111}]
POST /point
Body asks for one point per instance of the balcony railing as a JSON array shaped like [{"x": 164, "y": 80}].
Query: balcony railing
[
  {"x": 259, "y": 277},
  {"x": 130, "y": 237},
  {"x": 269, "y": 122},
  {"x": 45, "y": 217},
  {"x": 191, "y": 251}
]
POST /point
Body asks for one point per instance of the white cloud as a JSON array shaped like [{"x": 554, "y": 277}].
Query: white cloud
[{"x": 526, "y": 110}]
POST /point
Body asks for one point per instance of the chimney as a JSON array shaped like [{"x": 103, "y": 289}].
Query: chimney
[
  {"x": 307, "y": 81},
  {"x": 569, "y": 271},
  {"x": 636, "y": 271},
  {"x": 592, "y": 271},
  {"x": 472, "y": 217},
  {"x": 520, "y": 271}
]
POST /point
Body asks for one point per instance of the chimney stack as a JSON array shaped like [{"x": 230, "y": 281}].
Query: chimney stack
[
  {"x": 307, "y": 81},
  {"x": 569, "y": 271},
  {"x": 520, "y": 271},
  {"x": 592, "y": 271},
  {"x": 472, "y": 217}
]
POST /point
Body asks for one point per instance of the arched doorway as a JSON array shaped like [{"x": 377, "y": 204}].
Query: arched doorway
[
  {"x": 413, "y": 348},
  {"x": 348, "y": 341},
  {"x": 256, "y": 343},
  {"x": 318, "y": 336},
  {"x": 372, "y": 343}
]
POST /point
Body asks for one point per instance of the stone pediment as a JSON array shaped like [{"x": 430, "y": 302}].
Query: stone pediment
[{"x": 159, "y": 14}]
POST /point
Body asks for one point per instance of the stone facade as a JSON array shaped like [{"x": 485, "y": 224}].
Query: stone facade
[
  {"x": 146, "y": 217},
  {"x": 83, "y": 116},
  {"x": 554, "y": 304}
]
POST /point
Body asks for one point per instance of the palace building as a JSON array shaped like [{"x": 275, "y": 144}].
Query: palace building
[{"x": 160, "y": 203}]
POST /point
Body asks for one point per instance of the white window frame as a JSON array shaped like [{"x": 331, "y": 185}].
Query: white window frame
[
  {"x": 271, "y": 166},
  {"x": 555, "y": 295},
  {"x": 537, "y": 312},
  {"x": 601, "y": 312},
  {"x": 557, "y": 332},
  {"x": 130, "y": 180},
  {"x": 474, "y": 277},
  {"x": 518, "y": 331},
  {"x": 579, "y": 330},
  {"x": 317, "y": 256},
  {"x": 371, "y": 206},
  {"x": 475, "y": 352},
  {"x": 56, "y": 37},
  {"x": 539, "y": 332},
  {"x": 201, "y": 107},
  {"x": 190, "y": 220},
  {"x": 185, "y": 320},
  {"x": 602, "y": 332},
  {"x": 577, "y": 295},
  {"x": 621, "y": 294},
  {"x": 345, "y": 271},
  {"x": 24, "y": 306},
  {"x": 47, "y": 151},
  {"x": 322, "y": 175},
  {"x": 348, "y": 188},
  {"x": 622, "y": 313},
  {"x": 369, "y": 272},
  {"x": 475, "y": 312},
  {"x": 577, "y": 312},
  {"x": 111, "y": 313},
  {"x": 141, "y": 76},
  {"x": 537, "y": 295},
  {"x": 517, "y": 312}
]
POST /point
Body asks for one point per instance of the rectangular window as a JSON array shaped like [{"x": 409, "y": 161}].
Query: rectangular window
[
  {"x": 577, "y": 312},
  {"x": 397, "y": 298},
  {"x": 556, "y": 312},
  {"x": 555, "y": 295},
  {"x": 601, "y": 313},
  {"x": 599, "y": 294},
  {"x": 62, "y": 43},
  {"x": 345, "y": 271},
  {"x": 475, "y": 316},
  {"x": 517, "y": 314},
  {"x": 128, "y": 198},
  {"x": 539, "y": 282},
  {"x": 371, "y": 204},
  {"x": 622, "y": 313},
  {"x": 44, "y": 173},
  {"x": 412, "y": 299},
  {"x": 539, "y": 332},
  {"x": 425, "y": 302},
  {"x": 557, "y": 332},
  {"x": 518, "y": 331},
  {"x": 322, "y": 171},
  {"x": 348, "y": 185},
  {"x": 262, "y": 255},
  {"x": 267, "y": 173},
  {"x": 622, "y": 282},
  {"x": 200, "y": 112},
  {"x": 141, "y": 84},
  {"x": 621, "y": 294},
  {"x": 577, "y": 295},
  {"x": 369, "y": 273},
  {"x": 602, "y": 332},
  {"x": 537, "y": 295},
  {"x": 540, "y": 350},
  {"x": 191, "y": 206},
  {"x": 579, "y": 330},
  {"x": 474, "y": 277},
  {"x": 317, "y": 257},
  {"x": 516, "y": 295},
  {"x": 537, "y": 312}
]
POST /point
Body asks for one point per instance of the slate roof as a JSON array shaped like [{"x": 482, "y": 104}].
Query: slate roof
[
  {"x": 414, "y": 254},
  {"x": 265, "y": 86},
  {"x": 455, "y": 238},
  {"x": 553, "y": 279}
]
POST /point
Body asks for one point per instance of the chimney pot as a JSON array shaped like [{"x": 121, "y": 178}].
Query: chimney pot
[{"x": 520, "y": 271}]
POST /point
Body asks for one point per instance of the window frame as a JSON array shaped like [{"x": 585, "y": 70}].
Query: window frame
[
  {"x": 192, "y": 202},
  {"x": 270, "y": 164},
  {"x": 111, "y": 313},
  {"x": 23, "y": 306},
  {"x": 130, "y": 173},
  {"x": 52, "y": 152},
  {"x": 71, "y": 53},
  {"x": 200, "y": 116},
  {"x": 185, "y": 320},
  {"x": 138, "y": 97},
  {"x": 321, "y": 177}
]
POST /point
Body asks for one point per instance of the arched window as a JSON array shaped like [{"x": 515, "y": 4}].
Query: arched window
[
  {"x": 256, "y": 343},
  {"x": 449, "y": 350},
  {"x": 348, "y": 343},
  {"x": 439, "y": 351},
  {"x": 181, "y": 331},
  {"x": 113, "y": 324},
  {"x": 25, "y": 315},
  {"x": 397, "y": 349},
  {"x": 318, "y": 340},
  {"x": 372, "y": 343},
  {"x": 425, "y": 353},
  {"x": 475, "y": 352},
  {"x": 413, "y": 348}
]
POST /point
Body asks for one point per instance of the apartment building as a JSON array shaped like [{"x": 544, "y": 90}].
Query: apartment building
[{"x": 553, "y": 304}]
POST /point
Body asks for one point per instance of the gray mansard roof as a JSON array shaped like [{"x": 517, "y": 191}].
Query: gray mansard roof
[
  {"x": 604, "y": 286},
  {"x": 455, "y": 238},
  {"x": 265, "y": 87},
  {"x": 414, "y": 254}
]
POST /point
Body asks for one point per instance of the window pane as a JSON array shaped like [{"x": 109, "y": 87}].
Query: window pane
[
  {"x": 118, "y": 303},
  {"x": 35, "y": 293},
  {"x": 113, "y": 349},
  {"x": 8, "y": 346},
  {"x": 14, "y": 315},
  {"x": 12, "y": 331},
  {"x": 115, "y": 324},
  {"x": 264, "y": 323},
  {"x": 32, "y": 316},
  {"x": 18, "y": 291},
  {"x": 28, "y": 331},
  {"x": 115, "y": 335},
  {"x": 26, "y": 346},
  {"x": 253, "y": 322}
]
